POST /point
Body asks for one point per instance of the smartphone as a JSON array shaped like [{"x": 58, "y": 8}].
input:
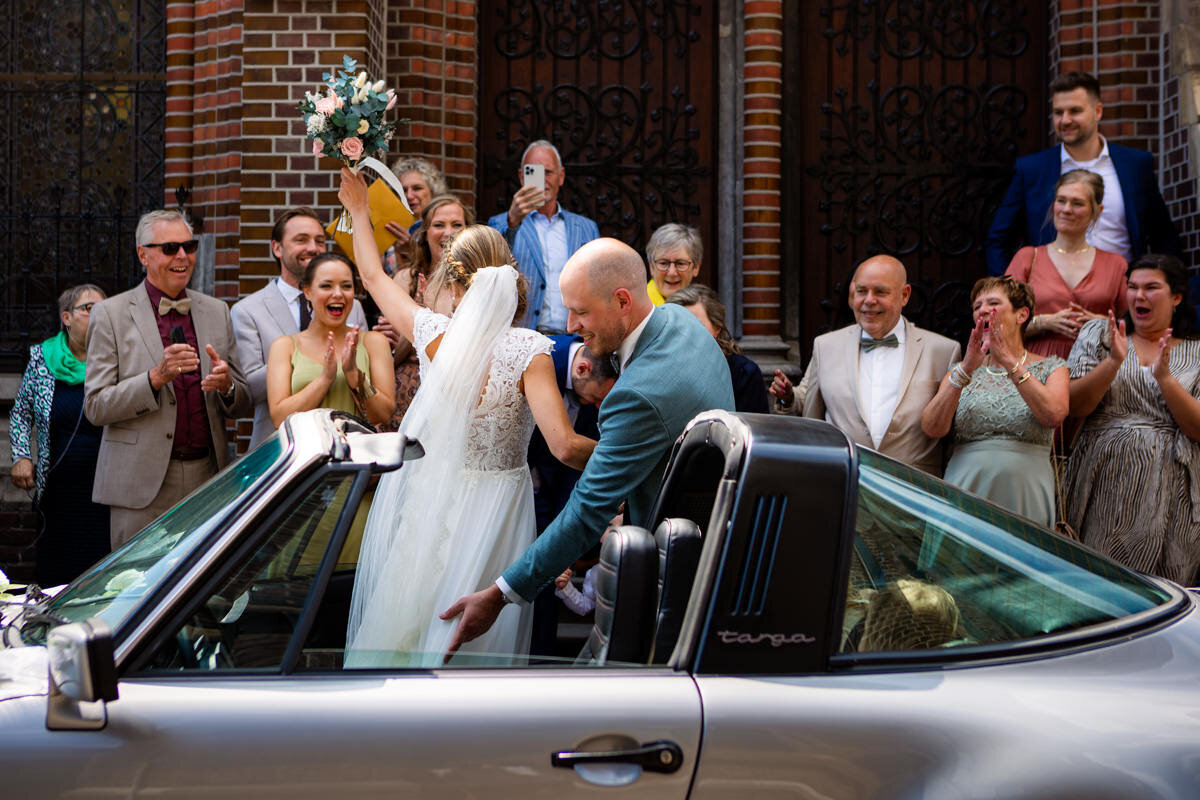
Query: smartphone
[
  {"x": 177, "y": 335},
  {"x": 534, "y": 175}
]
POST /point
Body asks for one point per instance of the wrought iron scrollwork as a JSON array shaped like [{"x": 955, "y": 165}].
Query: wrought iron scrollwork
[
  {"x": 915, "y": 168},
  {"x": 86, "y": 79},
  {"x": 595, "y": 29}
]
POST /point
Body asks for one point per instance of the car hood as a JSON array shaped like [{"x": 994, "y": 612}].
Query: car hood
[{"x": 23, "y": 672}]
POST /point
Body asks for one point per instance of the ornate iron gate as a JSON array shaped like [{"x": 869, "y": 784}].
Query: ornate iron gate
[
  {"x": 82, "y": 103},
  {"x": 625, "y": 91},
  {"x": 912, "y": 114}
]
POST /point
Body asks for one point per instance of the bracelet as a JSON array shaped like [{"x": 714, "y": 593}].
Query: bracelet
[
  {"x": 959, "y": 377},
  {"x": 1024, "y": 377}
]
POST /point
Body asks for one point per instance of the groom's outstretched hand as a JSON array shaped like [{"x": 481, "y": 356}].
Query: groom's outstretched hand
[{"x": 479, "y": 612}]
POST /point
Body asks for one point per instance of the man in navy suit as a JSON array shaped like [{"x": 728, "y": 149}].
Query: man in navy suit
[
  {"x": 604, "y": 288},
  {"x": 584, "y": 381},
  {"x": 543, "y": 235},
  {"x": 1134, "y": 219}
]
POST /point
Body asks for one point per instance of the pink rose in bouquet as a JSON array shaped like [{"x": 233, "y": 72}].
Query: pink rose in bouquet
[
  {"x": 327, "y": 105},
  {"x": 352, "y": 148},
  {"x": 318, "y": 147}
]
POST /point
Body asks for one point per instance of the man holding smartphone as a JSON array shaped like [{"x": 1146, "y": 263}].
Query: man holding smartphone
[
  {"x": 162, "y": 378},
  {"x": 543, "y": 235}
]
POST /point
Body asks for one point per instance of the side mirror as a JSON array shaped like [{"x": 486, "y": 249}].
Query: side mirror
[{"x": 83, "y": 675}]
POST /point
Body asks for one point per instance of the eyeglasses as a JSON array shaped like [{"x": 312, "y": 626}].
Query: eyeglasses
[
  {"x": 86, "y": 308},
  {"x": 665, "y": 266},
  {"x": 171, "y": 248}
]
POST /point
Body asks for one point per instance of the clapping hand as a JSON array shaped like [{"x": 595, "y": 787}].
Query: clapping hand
[
  {"x": 1162, "y": 362},
  {"x": 1118, "y": 341},
  {"x": 1002, "y": 355},
  {"x": 176, "y": 360},
  {"x": 977, "y": 344},
  {"x": 218, "y": 379},
  {"x": 329, "y": 364},
  {"x": 349, "y": 365}
]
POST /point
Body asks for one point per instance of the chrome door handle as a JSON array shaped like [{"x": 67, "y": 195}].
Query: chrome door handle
[{"x": 661, "y": 756}]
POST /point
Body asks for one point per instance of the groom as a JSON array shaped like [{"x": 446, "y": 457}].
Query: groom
[{"x": 671, "y": 369}]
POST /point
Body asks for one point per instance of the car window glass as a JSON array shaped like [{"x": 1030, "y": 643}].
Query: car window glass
[
  {"x": 935, "y": 567},
  {"x": 116, "y": 585},
  {"x": 248, "y": 622}
]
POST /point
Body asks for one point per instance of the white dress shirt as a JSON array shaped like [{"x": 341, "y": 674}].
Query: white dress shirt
[
  {"x": 293, "y": 297},
  {"x": 552, "y": 233},
  {"x": 1110, "y": 231},
  {"x": 879, "y": 383}
]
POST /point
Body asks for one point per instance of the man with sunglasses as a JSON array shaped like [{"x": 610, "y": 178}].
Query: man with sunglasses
[
  {"x": 279, "y": 308},
  {"x": 162, "y": 378}
]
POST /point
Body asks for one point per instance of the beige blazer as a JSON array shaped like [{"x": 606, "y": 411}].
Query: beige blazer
[
  {"x": 123, "y": 344},
  {"x": 830, "y": 389}
]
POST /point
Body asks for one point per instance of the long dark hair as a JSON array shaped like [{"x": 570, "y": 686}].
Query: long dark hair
[{"x": 1183, "y": 318}]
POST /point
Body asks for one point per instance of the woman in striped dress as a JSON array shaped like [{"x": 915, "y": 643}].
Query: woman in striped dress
[{"x": 1133, "y": 482}]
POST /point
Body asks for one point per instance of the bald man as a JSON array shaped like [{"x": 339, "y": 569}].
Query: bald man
[
  {"x": 872, "y": 379},
  {"x": 670, "y": 370}
]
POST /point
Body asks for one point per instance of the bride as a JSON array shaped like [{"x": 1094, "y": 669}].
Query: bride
[{"x": 445, "y": 525}]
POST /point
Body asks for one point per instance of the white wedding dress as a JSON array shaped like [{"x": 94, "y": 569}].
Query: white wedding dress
[{"x": 445, "y": 525}]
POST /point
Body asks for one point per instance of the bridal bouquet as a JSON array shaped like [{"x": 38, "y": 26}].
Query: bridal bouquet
[{"x": 344, "y": 118}]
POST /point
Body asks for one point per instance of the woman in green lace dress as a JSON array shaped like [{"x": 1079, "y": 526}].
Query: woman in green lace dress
[
  {"x": 1133, "y": 483},
  {"x": 1003, "y": 403}
]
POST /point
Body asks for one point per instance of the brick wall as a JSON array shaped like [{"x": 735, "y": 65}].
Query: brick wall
[
  {"x": 1125, "y": 44},
  {"x": 203, "y": 124},
  {"x": 763, "y": 149},
  {"x": 431, "y": 56}
]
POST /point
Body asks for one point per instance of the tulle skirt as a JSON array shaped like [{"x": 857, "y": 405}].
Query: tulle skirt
[{"x": 416, "y": 561}]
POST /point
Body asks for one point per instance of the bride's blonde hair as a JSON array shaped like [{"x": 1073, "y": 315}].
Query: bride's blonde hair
[{"x": 470, "y": 250}]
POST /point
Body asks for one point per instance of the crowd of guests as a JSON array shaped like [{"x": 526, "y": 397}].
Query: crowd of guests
[{"x": 1074, "y": 401}]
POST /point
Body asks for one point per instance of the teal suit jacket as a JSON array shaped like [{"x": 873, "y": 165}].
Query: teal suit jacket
[{"x": 676, "y": 371}]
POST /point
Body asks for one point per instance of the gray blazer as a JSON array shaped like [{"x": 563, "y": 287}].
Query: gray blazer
[
  {"x": 139, "y": 423},
  {"x": 258, "y": 320},
  {"x": 830, "y": 391}
]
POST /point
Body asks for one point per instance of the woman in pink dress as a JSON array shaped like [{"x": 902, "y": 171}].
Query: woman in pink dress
[{"x": 1074, "y": 282}]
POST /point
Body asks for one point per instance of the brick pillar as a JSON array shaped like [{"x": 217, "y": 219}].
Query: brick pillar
[
  {"x": 432, "y": 61},
  {"x": 762, "y": 151},
  {"x": 289, "y": 44}
]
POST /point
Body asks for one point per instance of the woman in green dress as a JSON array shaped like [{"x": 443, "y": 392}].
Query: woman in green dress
[
  {"x": 1003, "y": 403},
  {"x": 330, "y": 364}
]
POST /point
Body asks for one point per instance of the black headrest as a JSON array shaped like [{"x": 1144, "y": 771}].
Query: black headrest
[
  {"x": 626, "y": 591},
  {"x": 678, "y": 543}
]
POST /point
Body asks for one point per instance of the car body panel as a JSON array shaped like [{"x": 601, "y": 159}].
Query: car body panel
[{"x": 439, "y": 734}]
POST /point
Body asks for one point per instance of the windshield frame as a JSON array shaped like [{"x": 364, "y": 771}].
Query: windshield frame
[
  {"x": 212, "y": 529},
  {"x": 1144, "y": 621}
]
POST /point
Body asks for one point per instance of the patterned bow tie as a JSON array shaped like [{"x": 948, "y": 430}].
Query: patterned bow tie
[
  {"x": 165, "y": 304},
  {"x": 867, "y": 344}
]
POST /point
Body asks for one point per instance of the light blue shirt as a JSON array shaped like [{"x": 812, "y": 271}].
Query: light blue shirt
[{"x": 552, "y": 233}]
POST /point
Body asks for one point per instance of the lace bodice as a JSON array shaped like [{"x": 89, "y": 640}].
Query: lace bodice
[
  {"x": 499, "y": 435},
  {"x": 991, "y": 408}
]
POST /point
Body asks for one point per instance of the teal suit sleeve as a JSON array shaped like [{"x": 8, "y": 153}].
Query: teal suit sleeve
[{"x": 634, "y": 441}]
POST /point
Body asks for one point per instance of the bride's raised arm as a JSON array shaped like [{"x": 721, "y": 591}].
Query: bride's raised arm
[
  {"x": 550, "y": 414},
  {"x": 391, "y": 298}
]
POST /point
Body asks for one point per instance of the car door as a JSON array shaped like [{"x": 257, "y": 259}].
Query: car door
[{"x": 241, "y": 692}]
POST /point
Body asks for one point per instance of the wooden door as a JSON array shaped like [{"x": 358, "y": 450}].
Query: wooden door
[
  {"x": 909, "y": 116},
  {"x": 626, "y": 93}
]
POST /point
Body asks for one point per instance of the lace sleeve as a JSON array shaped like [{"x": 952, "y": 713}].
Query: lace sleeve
[
  {"x": 525, "y": 345},
  {"x": 427, "y": 326}
]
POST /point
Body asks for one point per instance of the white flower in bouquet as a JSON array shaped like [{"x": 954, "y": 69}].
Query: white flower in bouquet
[
  {"x": 317, "y": 123},
  {"x": 361, "y": 80},
  {"x": 378, "y": 87}
]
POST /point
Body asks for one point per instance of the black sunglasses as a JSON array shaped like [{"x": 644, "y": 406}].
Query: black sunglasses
[{"x": 171, "y": 248}]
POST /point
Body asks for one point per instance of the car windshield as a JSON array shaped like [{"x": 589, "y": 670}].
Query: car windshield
[
  {"x": 115, "y": 586},
  {"x": 936, "y": 567}
]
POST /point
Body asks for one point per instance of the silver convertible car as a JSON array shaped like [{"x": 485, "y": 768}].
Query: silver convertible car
[{"x": 807, "y": 620}]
